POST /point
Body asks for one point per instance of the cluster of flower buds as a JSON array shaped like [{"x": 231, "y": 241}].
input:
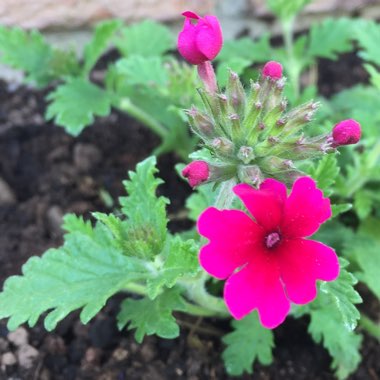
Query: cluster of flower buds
[{"x": 250, "y": 135}]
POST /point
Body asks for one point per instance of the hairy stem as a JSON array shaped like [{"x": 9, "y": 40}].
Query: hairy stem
[{"x": 207, "y": 74}]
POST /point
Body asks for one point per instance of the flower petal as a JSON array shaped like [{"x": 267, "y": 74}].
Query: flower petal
[
  {"x": 209, "y": 38},
  {"x": 303, "y": 262},
  {"x": 258, "y": 286},
  {"x": 233, "y": 236},
  {"x": 265, "y": 204},
  {"x": 305, "y": 209},
  {"x": 187, "y": 44}
]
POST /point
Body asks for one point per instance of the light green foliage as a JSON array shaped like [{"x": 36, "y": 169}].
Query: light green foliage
[
  {"x": 363, "y": 203},
  {"x": 180, "y": 258},
  {"x": 145, "y": 211},
  {"x": 325, "y": 173},
  {"x": 99, "y": 42},
  {"x": 342, "y": 345},
  {"x": 29, "y": 52},
  {"x": 74, "y": 104},
  {"x": 138, "y": 70},
  {"x": 83, "y": 273},
  {"x": 333, "y": 318},
  {"x": 359, "y": 103},
  {"x": 364, "y": 248},
  {"x": 367, "y": 34},
  {"x": 285, "y": 9},
  {"x": 203, "y": 197},
  {"x": 331, "y": 37},
  {"x": 249, "y": 342},
  {"x": 152, "y": 316},
  {"x": 147, "y": 39},
  {"x": 344, "y": 296},
  {"x": 375, "y": 75}
]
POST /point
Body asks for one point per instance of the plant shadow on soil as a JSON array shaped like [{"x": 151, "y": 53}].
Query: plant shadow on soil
[{"x": 49, "y": 174}]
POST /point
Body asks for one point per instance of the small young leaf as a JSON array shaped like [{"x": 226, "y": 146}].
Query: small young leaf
[
  {"x": 145, "y": 211},
  {"x": 149, "y": 71},
  {"x": 83, "y": 273},
  {"x": 103, "y": 33},
  {"x": 330, "y": 38},
  {"x": 147, "y": 39},
  {"x": 75, "y": 103},
  {"x": 340, "y": 209},
  {"x": 152, "y": 316},
  {"x": 181, "y": 259},
  {"x": 249, "y": 342}
]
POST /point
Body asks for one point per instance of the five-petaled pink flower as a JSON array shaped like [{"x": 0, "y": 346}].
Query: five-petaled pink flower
[
  {"x": 202, "y": 41},
  {"x": 266, "y": 260}
]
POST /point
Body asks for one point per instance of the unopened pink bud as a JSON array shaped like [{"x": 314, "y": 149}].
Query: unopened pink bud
[
  {"x": 273, "y": 70},
  {"x": 196, "y": 172},
  {"x": 346, "y": 132},
  {"x": 200, "y": 42}
]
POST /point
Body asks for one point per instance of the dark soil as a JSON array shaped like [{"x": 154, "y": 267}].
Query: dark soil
[{"x": 49, "y": 174}]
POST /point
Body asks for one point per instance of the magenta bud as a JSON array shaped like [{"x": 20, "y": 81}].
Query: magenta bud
[
  {"x": 272, "y": 70},
  {"x": 196, "y": 172},
  {"x": 200, "y": 42},
  {"x": 346, "y": 132}
]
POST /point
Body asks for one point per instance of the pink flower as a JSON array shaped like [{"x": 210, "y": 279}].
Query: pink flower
[
  {"x": 266, "y": 260},
  {"x": 273, "y": 70},
  {"x": 196, "y": 172},
  {"x": 346, "y": 132},
  {"x": 200, "y": 42}
]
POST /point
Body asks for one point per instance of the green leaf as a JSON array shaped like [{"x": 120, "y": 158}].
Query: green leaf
[
  {"x": 331, "y": 37},
  {"x": 150, "y": 317},
  {"x": 181, "y": 259},
  {"x": 325, "y": 173},
  {"x": 365, "y": 249},
  {"x": 367, "y": 34},
  {"x": 74, "y": 104},
  {"x": 204, "y": 196},
  {"x": 149, "y": 71},
  {"x": 145, "y": 211},
  {"x": 343, "y": 345},
  {"x": 249, "y": 342},
  {"x": 147, "y": 39},
  {"x": 83, "y": 273},
  {"x": 340, "y": 209},
  {"x": 103, "y": 33},
  {"x": 363, "y": 203},
  {"x": 29, "y": 52},
  {"x": 344, "y": 296},
  {"x": 375, "y": 75},
  {"x": 285, "y": 9}
]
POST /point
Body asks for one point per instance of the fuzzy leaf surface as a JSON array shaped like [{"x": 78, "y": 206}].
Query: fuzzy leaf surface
[
  {"x": 147, "y": 39},
  {"x": 83, "y": 273},
  {"x": 368, "y": 36},
  {"x": 247, "y": 343},
  {"x": 74, "y": 104},
  {"x": 326, "y": 172},
  {"x": 150, "y": 317},
  {"x": 145, "y": 211},
  {"x": 181, "y": 259}
]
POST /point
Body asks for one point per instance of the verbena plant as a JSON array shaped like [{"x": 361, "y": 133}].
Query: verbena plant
[{"x": 254, "y": 146}]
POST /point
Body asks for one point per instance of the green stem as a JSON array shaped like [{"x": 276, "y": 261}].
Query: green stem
[
  {"x": 226, "y": 195},
  {"x": 293, "y": 65},
  {"x": 127, "y": 106},
  {"x": 371, "y": 327}
]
